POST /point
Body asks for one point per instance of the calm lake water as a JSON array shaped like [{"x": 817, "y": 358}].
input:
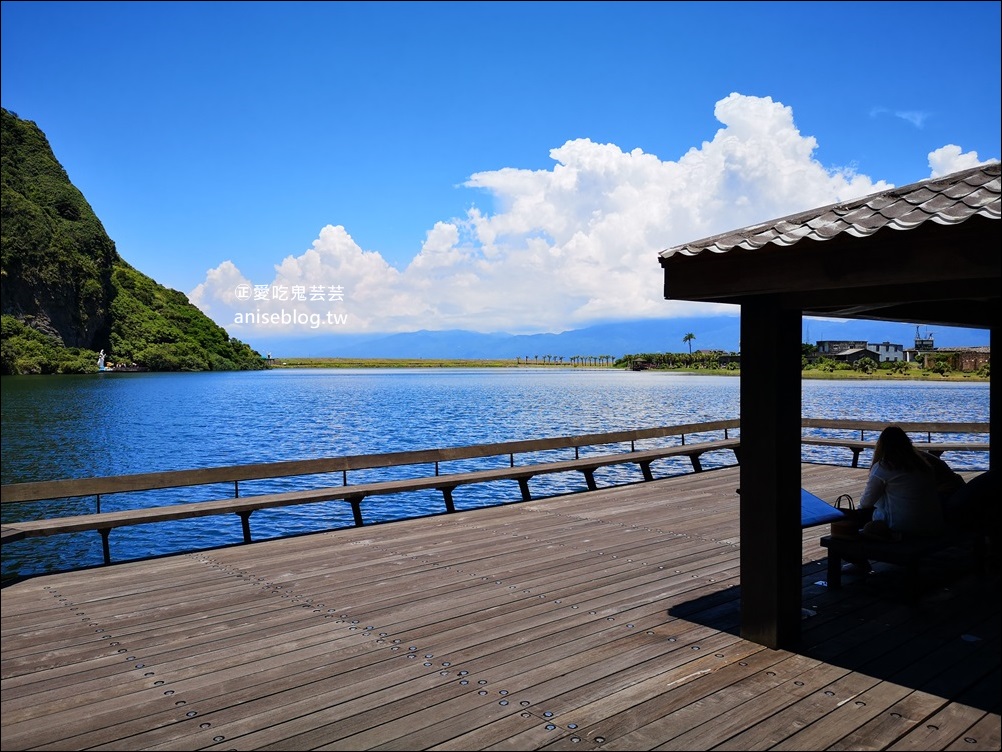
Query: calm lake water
[{"x": 115, "y": 424}]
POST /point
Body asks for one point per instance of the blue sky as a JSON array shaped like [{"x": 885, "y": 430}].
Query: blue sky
[{"x": 503, "y": 166}]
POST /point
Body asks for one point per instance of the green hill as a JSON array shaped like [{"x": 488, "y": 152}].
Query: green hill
[{"x": 67, "y": 294}]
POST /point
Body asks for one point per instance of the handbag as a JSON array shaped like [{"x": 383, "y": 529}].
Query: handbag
[{"x": 848, "y": 527}]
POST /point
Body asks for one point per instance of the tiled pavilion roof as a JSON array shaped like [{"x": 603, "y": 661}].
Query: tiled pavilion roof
[{"x": 948, "y": 200}]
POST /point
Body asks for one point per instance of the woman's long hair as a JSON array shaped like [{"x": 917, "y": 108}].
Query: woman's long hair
[{"x": 896, "y": 450}]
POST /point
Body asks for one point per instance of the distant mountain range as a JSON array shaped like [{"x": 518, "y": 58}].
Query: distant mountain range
[{"x": 615, "y": 339}]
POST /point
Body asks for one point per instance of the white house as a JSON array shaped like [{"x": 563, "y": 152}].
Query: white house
[{"x": 888, "y": 352}]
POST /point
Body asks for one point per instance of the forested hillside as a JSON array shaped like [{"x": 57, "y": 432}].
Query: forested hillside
[{"x": 66, "y": 292}]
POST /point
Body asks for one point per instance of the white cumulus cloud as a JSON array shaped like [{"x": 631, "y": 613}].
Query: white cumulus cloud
[
  {"x": 565, "y": 247},
  {"x": 951, "y": 158}
]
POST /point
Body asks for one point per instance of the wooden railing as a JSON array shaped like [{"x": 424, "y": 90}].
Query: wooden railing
[
  {"x": 860, "y": 435},
  {"x": 690, "y": 440}
]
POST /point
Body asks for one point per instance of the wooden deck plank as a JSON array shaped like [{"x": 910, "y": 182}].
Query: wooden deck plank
[
  {"x": 945, "y": 729},
  {"x": 499, "y": 664},
  {"x": 751, "y": 694},
  {"x": 199, "y": 659},
  {"x": 587, "y": 608},
  {"x": 508, "y": 655},
  {"x": 982, "y": 735},
  {"x": 640, "y": 716},
  {"x": 534, "y": 684},
  {"x": 630, "y": 695}
]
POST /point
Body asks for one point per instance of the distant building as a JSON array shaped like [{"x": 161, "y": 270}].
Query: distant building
[
  {"x": 857, "y": 354},
  {"x": 888, "y": 352},
  {"x": 832, "y": 347},
  {"x": 966, "y": 359},
  {"x": 923, "y": 345}
]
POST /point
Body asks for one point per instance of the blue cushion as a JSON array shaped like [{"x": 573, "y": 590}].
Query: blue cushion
[{"x": 816, "y": 511}]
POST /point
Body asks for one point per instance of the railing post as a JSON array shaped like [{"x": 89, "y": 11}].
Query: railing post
[
  {"x": 447, "y": 495},
  {"x": 105, "y": 548},
  {"x": 356, "y": 509},
  {"x": 245, "y": 524},
  {"x": 99, "y": 503},
  {"x": 523, "y": 484},
  {"x": 236, "y": 489}
]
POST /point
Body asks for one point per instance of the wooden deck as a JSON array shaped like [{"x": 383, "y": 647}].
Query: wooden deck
[{"x": 604, "y": 620}]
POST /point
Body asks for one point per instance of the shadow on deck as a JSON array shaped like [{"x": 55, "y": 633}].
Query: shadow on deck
[{"x": 944, "y": 642}]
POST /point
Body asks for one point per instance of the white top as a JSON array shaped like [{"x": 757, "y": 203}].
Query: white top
[{"x": 906, "y": 500}]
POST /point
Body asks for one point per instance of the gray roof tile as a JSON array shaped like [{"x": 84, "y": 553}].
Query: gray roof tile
[{"x": 947, "y": 200}]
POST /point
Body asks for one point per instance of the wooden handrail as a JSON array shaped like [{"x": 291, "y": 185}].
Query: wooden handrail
[
  {"x": 98, "y": 486},
  {"x": 445, "y": 482},
  {"x": 861, "y": 443},
  {"x": 104, "y": 523},
  {"x": 75, "y": 487},
  {"x": 907, "y": 427}
]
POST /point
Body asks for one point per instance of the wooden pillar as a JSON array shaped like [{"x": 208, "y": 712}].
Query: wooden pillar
[
  {"x": 770, "y": 474},
  {"x": 993, "y": 413}
]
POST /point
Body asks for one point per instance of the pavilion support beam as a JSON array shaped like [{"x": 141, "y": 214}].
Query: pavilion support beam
[
  {"x": 771, "y": 550},
  {"x": 993, "y": 412}
]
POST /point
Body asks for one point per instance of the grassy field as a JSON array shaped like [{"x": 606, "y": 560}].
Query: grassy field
[
  {"x": 396, "y": 363},
  {"x": 912, "y": 375}
]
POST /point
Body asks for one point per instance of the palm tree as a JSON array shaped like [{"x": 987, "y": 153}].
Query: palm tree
[{"x": 688, "y": 338}]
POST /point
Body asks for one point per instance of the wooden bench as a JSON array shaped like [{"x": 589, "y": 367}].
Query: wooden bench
[
  {"x": 860, "y": 444},
  {"x": 445, "y": 482},
  {"x": 907, "y": 553},
  {"x": 354, "y": 494}
]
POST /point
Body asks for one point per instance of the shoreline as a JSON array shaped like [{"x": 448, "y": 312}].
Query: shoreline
[{"x": 362, "y": 363}]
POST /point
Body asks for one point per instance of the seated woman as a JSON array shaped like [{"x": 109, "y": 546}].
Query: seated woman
[{"x": 901, "y": 491}]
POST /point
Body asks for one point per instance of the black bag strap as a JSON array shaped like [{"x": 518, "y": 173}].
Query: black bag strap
[{"x": 844, "y": 498}]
